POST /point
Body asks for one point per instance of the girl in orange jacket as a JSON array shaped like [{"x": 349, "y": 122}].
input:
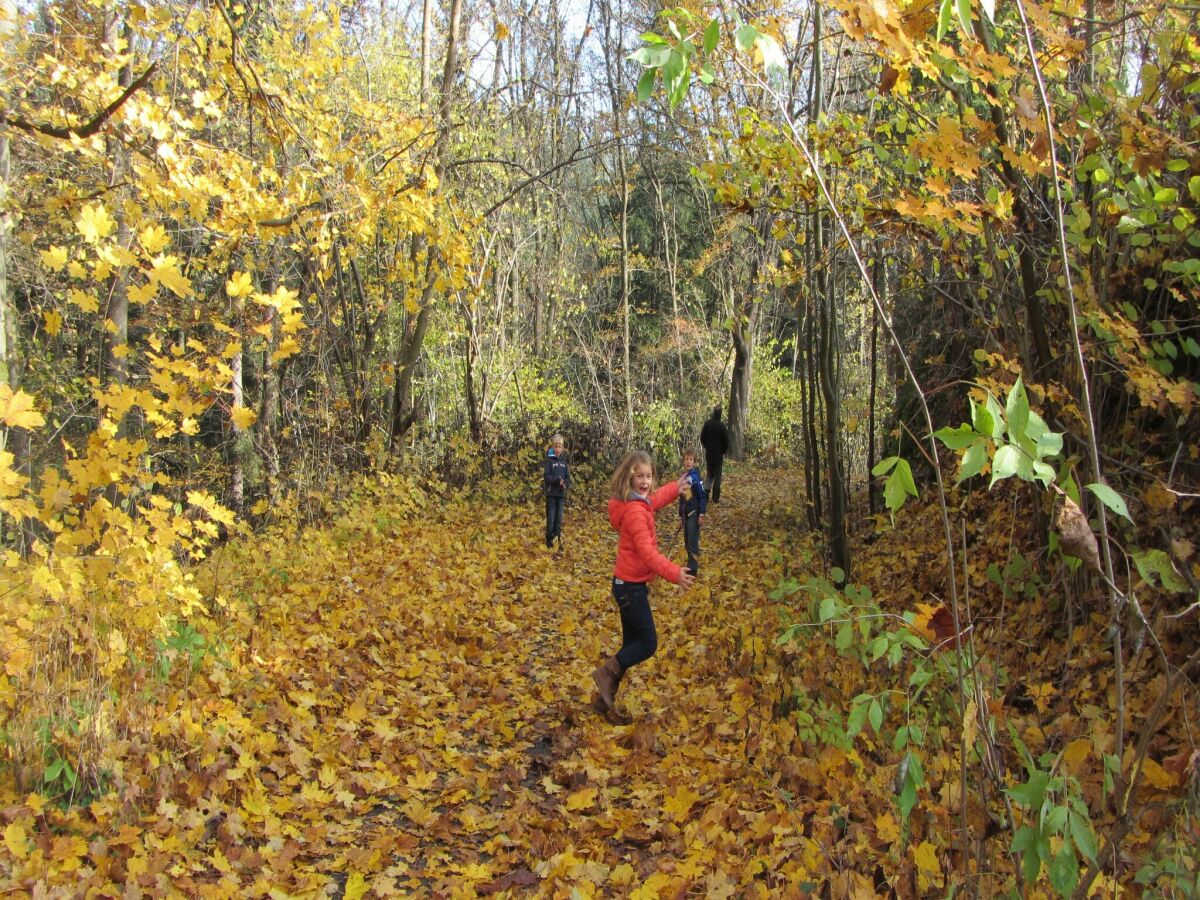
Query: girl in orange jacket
[{"x": 631, "y": 508}]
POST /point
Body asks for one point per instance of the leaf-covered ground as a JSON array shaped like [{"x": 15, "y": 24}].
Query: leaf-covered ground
[
  {"x": 402, "y": 706},
  {"x": 411, "y": 714}
]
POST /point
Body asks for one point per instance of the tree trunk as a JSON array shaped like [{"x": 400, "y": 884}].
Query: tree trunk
[
  {"x": 411, "y": 342},
  {"x": 839, "y": 545},
  {"x": 15, "y": 440},
  {"x": 426, "y": 52},
  {"x": 879, "y": 276}
]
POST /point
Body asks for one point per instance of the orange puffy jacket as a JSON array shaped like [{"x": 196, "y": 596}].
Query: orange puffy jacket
[{"x": 638, "y": 558}]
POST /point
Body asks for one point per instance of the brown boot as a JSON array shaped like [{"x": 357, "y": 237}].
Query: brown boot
[{"x": 607, "y": 676}]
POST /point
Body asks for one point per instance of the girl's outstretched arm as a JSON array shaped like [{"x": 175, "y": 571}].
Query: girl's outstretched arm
[{"x": 667, "y": 494}]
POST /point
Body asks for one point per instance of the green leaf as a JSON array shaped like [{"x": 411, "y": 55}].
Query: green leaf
[
  {"x": 972, "y": 462},
  {"x": 1005, "y": 463},
  {"x": 964, "y": 15},
  {"x": 1111, "y": 499},
  {"x": 707, "y": 75},
  {"x": 944, "y": 19},
  {"x": 1151, "y": 563},
  {"x": 828, "y": 609},
  {"x": 899, "y": 486},
  {"x": 1056, "y": 819},
  {"x": 845, "y": 637},
  {"x": 746, "y": 36},
  {"x": 651, "y": 38},
  {"x": 1064, "y": 871},
  {"x": 1016, "y": 409},
  {"x": 1032, "y": 792},
  {"x": 856, "y": 719},
  {"x": 875, "y": 715},
  {"x": 1083, "y": 836},
  {"x": 957, "y": 438},
  {"x": 652, "y": 57},
  {"x": 53, "y": 771},
  {"x": 645, "y": 86},
  {"x": 712, "y": 34},
  {"x": 884, "y": 465}
]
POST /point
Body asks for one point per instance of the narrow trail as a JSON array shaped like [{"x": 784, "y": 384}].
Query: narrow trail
[{"x": 479, "y": 765}]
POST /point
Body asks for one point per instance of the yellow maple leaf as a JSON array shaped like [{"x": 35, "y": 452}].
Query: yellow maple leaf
[
  {"x": 85, "y": 301},
  {"x": 16, "y": 841},
  {"x": 584, "y": 798},
  {"x": 678, "y": 805},
  {"x": 1041, "y": 695},
  {"x": 53, "y": 322},
  {"x": 622, "y": 875},
  {"x": 94, "y": 222},
  {"x": 1157, "y": 776},
  {"x": 886, "y": 828},
  {"x": 651, "y": 888},
  {"x": 142, "y": 293},
  {"x": 243, "y": 417},
  {"x": 54, "y": 258},
  {"x": 477, "y": 872},
  {"x": 356, "y": 886},
  {"x": 240, "y": 285},
  {"x": 255, "y": 802},
  {"x": 287, "y": 348},
  {"x": 166, "y": 272},
  {"x": 16, "y": 410},
  {"x": 929, "y": 868},
  {"x": 1076, "y": 752},
  {"x": 154, "y": 239}
]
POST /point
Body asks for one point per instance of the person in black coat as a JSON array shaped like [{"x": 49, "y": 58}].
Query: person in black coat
[
  {"x": 714, "y": 438},
  {"x": 556, "y": 479}
]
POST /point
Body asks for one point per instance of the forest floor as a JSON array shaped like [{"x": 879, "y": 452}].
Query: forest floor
[{"x": 408, "y": 712}]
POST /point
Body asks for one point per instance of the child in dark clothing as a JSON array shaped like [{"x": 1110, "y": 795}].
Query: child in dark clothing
[
  {"x": 556, "y": 478},
  {"x": 693, "y": 504}
]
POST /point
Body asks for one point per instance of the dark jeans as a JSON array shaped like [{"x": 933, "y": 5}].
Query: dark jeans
[
  {"x": 691, "y": 540},
  {"x": 554, "y": 516},
  {"x": 639, "y": 640},
  {"x": 712, "y": 466}
]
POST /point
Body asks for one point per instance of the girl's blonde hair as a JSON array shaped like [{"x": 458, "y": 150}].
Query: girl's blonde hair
[{"x": 620, "y": 486}]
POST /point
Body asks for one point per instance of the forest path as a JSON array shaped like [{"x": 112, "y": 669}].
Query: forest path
[
  {"x": 454, "y": 705},
  {"x": 409, "y": 714}
]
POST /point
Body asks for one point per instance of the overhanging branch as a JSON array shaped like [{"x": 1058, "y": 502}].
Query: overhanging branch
[{"x": 82, "y": 131}]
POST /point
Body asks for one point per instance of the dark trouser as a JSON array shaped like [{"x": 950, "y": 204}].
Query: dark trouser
[
  {"x": 691, "y": 540},
  {"x": 554, "y": 514},
  {"x": 712, "y": 466},
  {"x": 638, "y": 637}
]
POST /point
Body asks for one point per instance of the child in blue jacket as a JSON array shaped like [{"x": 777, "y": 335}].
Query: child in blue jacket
[
  {"x": 555, "y": 480},
  {"x": 693, "y": 504}
]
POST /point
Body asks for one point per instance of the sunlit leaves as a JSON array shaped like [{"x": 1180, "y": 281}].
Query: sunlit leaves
[
  {"x": 95, "y": 223},
  {"x": 17, "y": 409},
  {"x": 166, "y": 272},
  {"x": 55, "y": 258}
]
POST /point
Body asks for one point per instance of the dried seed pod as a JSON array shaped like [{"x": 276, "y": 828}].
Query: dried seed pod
[{"x": 1075, "y": 533}]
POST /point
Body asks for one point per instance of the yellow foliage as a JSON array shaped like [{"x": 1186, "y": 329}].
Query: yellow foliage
[{"x": 16, "y": 409}]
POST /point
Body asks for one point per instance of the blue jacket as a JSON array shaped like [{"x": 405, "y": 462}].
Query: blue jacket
[
  {"x": 699, "y": 502},
  {"x": 555, "y": 469}
]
